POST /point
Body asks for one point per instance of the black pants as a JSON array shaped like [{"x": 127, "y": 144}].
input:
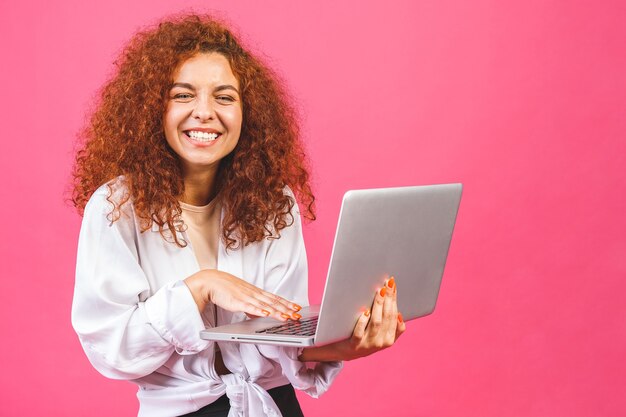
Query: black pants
[{"x": 284, "y": 397}]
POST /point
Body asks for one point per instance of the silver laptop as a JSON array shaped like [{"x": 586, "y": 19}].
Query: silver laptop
[{"x": 402, "y": 232}]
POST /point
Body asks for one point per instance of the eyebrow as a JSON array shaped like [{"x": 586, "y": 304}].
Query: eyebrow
[
  {"x": 226, "y": 87},
  {"x": 216, "y": 89}
]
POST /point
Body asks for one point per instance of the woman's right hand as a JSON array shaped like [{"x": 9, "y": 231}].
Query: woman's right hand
[{"x": 234, "y": 294}]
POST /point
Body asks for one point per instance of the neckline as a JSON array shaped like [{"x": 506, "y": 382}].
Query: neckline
[{"x": 198, "y": 209}]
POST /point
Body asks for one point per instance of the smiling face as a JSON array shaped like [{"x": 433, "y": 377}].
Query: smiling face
[{"x": 202, "y": 119}]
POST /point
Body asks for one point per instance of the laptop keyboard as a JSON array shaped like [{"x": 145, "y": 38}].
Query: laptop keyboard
[{"x": 304, "y": 327}]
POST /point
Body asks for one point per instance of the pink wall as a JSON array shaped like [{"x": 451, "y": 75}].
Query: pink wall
[{"x": 522, "y": 101}]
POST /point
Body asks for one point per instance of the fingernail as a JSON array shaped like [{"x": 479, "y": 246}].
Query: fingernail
[
  {"x": 391, "y": 282},
  {"x": 367, "y": 313},
  {"x": 285, "y": 316},
  {"x": 265, "y": 312},
  {"x": 297, "y": 307},
  {"x": 383, "y": 291},
  {"x": 296, "y": 316},
  {"x": 400, "y": 318}
]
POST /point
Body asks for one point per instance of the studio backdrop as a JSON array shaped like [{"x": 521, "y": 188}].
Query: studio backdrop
[{"x": 521, "y": 101}]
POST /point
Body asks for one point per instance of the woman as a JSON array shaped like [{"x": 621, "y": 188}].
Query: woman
[{"x": 187, "y": 180}]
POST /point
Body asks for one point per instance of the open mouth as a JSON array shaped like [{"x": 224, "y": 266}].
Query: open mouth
[{"x": 203, "y": 137}]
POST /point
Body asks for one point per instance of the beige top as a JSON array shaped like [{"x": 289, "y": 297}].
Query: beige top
[
  {"x": 203, "y": 229},
  {"x": 203, "y": 226}
]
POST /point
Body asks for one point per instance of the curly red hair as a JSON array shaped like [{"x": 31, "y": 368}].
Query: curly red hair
[{"x": 125, "y": 137}]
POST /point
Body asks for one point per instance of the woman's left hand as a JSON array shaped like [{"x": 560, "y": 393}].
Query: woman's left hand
[
  {"x": 375, "y": 330},
  {"x": 380, "y": 328}
]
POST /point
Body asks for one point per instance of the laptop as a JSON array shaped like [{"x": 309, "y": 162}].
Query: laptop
[{"x": 403, "y": 232}]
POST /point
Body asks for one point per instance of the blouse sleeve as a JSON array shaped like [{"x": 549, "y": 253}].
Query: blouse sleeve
[
  {"x": 126, "y": 331},
  {"x": 287, "y": 276}
]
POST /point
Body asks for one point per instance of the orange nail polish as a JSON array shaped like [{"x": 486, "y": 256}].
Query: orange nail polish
[
  {"x": 296, "y": 316},
  {"x": 383, "y": 291},
  {"x": 391, "y": 282},
  {"x": 367, "y": 313},
  {"x": 400, "y": 319},
  {"x": 297, "y": 307},
  {"x": 265, "y": 312},
  {"x": 285, "y": 316}
]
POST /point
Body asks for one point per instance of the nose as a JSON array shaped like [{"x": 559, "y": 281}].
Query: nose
[{"x": 203, "y": 110}]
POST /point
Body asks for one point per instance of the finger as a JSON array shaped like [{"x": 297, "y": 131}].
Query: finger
[
  {"x": 290, "y": 305},
  {"x": 401, "y": 327},
  {"x": 390, "y": 314},
  {"x": 266, "y": 300},
  {"x": 234, "y": 294},
  {"x": 389, "y": 302},
  {"x": 394, "y": 296},
  {"x": 260, "y": 308},
  {"x": 361, "y": 324},
  {"x": 376, "y": 316},
  {"x": 276, "y": 305},
  {"x": 251, "y": 309},
  {"x": 276, "y": 300}
]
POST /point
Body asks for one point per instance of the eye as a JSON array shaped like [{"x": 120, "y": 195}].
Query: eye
[
  {"x": 182, "y": 96},
  {"x": 225, "y": 98}
]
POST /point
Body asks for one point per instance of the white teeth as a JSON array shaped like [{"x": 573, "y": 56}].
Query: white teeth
[{"x": 202, "y": 136}]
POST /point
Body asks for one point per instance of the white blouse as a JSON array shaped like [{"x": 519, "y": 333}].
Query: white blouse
[{"x": 137, "y": 320}]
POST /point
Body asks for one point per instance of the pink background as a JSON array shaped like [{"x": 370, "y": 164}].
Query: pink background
[{"x": 522, "y": 101}]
